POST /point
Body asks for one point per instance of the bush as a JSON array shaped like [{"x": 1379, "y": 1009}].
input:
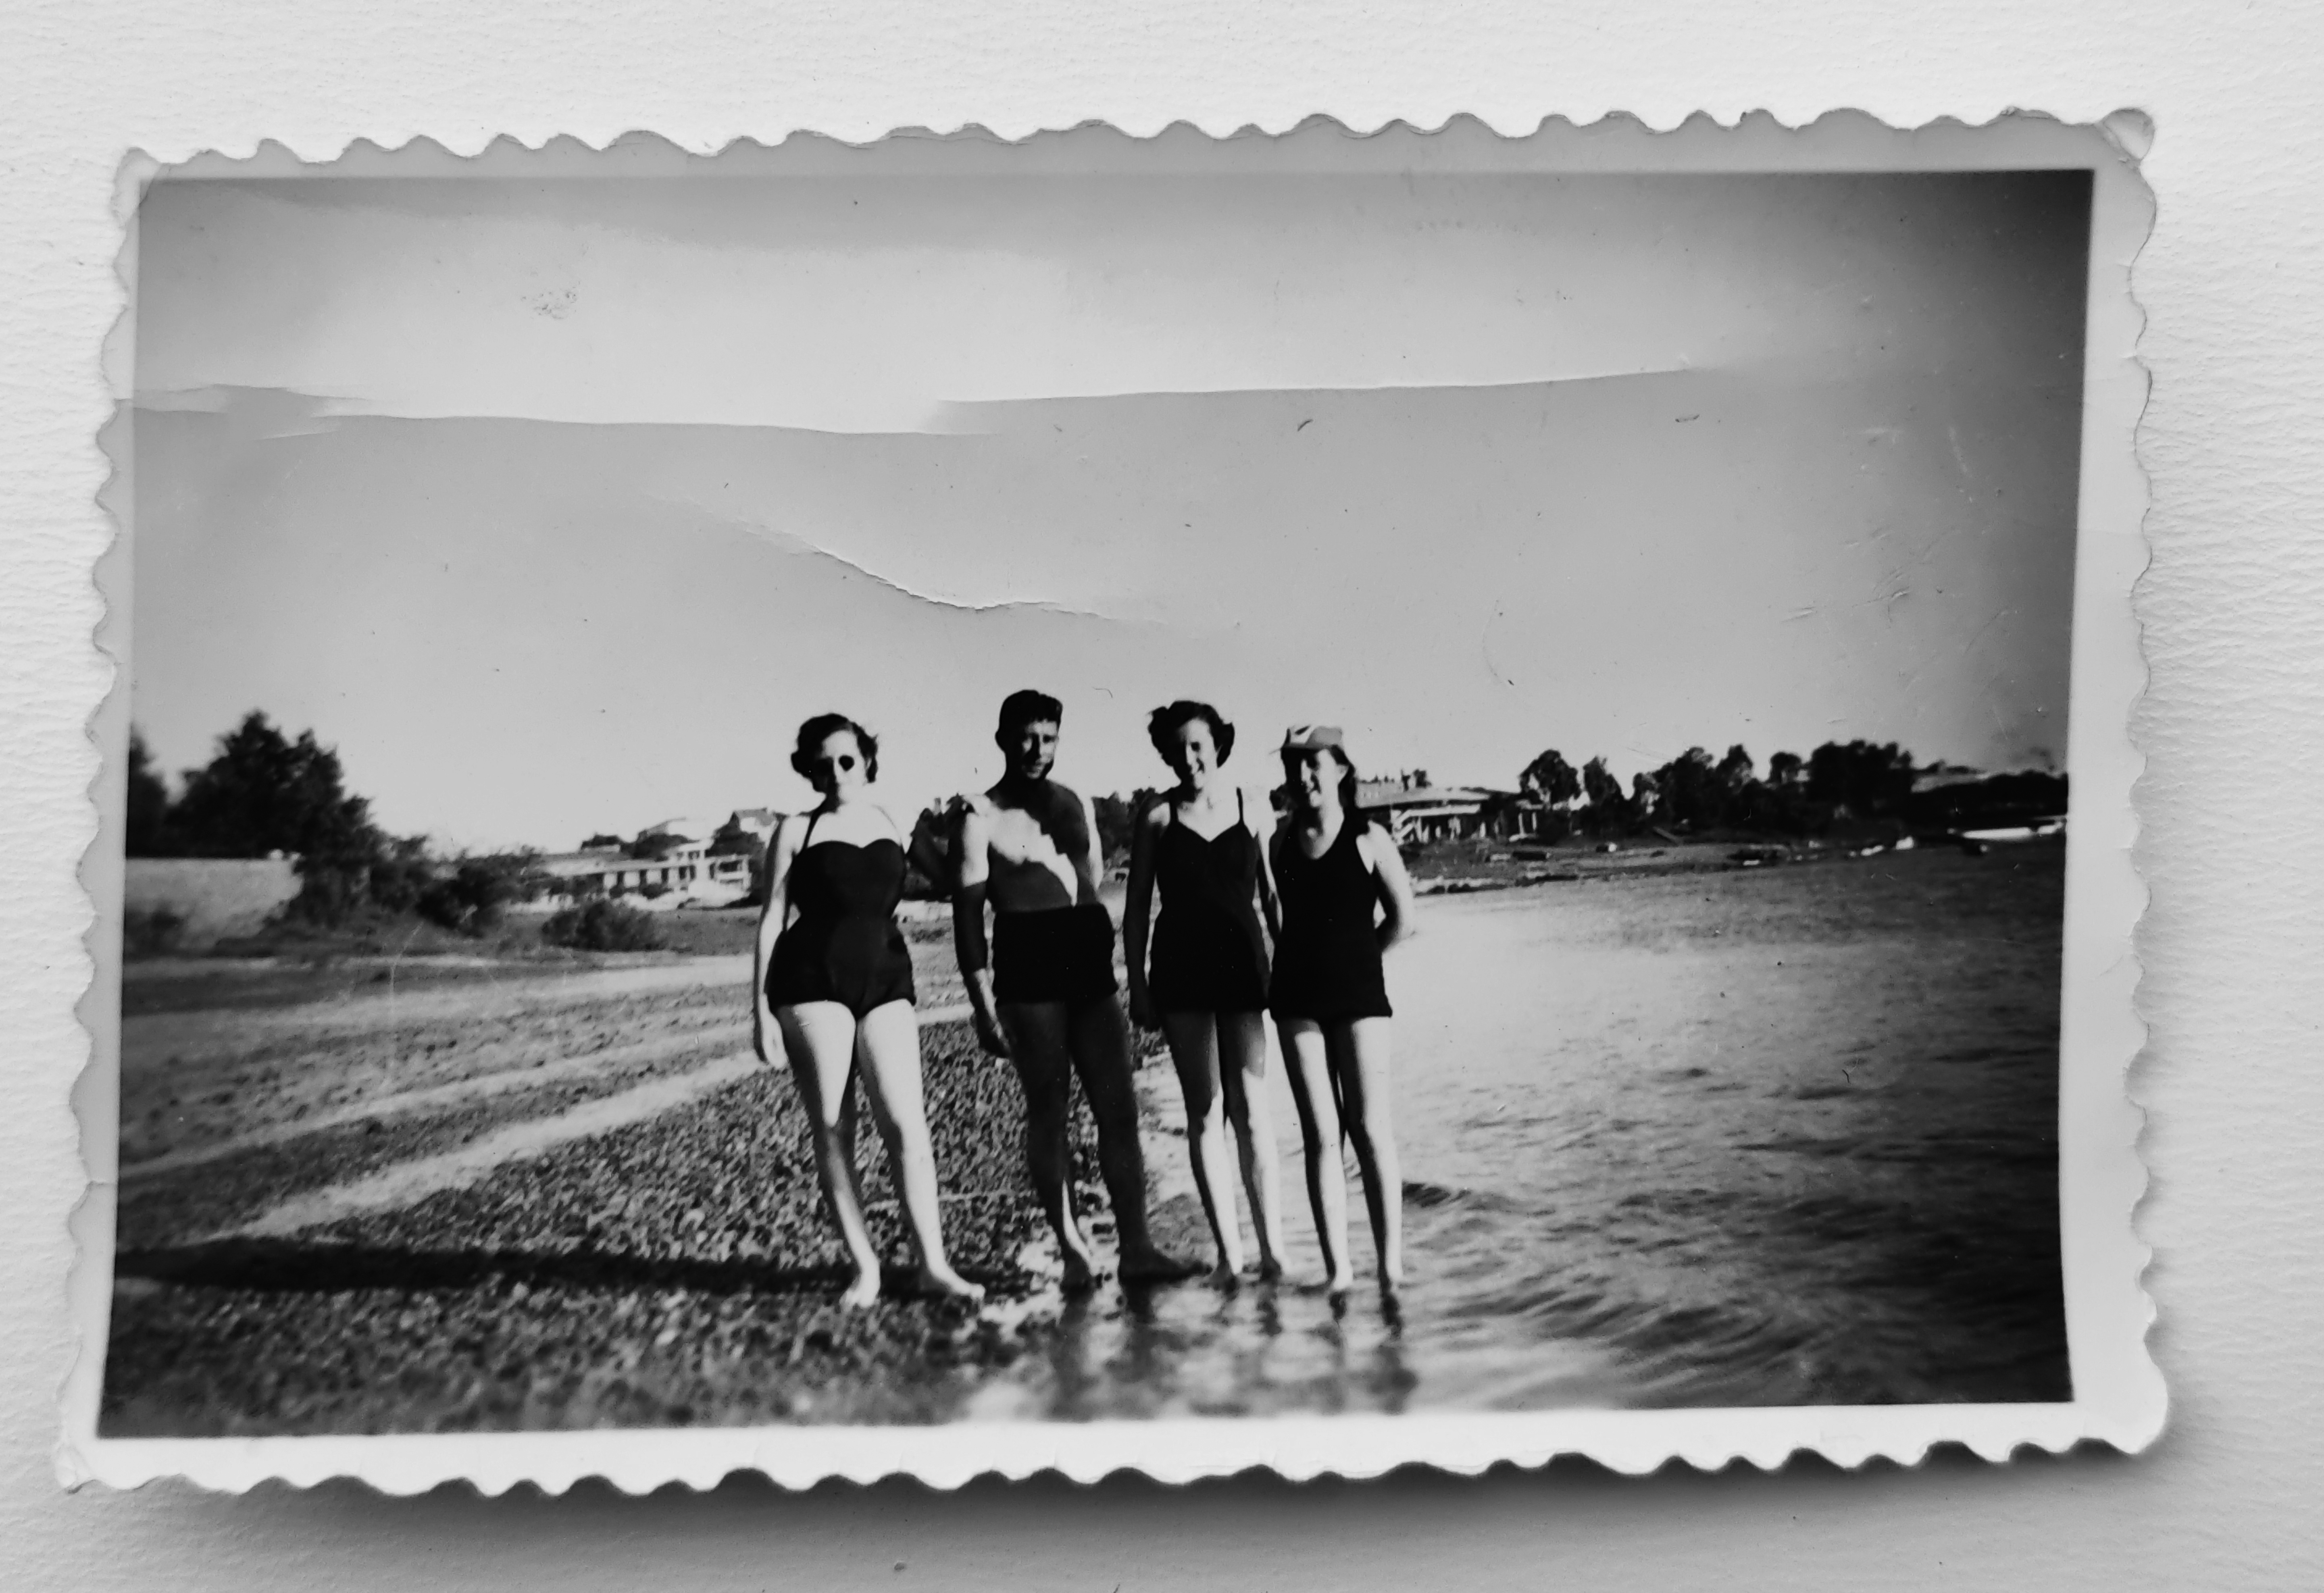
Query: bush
[
  {"x": 473, "y": 899},
  {"x": 602, "y": 926},
  {"x": 150, "y": 932}
]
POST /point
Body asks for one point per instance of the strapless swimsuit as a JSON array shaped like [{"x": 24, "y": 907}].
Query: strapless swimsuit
[
  {"x": 1208, "y": 954},
  {"x": 1327, "y": 965},
  {"x": 844, "y": 946}
]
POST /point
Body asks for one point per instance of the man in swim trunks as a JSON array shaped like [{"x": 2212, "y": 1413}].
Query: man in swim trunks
[{"x": 1045, "y": 998}]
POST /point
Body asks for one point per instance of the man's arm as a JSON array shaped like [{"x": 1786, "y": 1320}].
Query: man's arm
[{"x": 971, "y": 868}]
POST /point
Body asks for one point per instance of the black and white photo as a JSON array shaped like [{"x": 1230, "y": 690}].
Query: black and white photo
[{"x": 953, "y": 793}]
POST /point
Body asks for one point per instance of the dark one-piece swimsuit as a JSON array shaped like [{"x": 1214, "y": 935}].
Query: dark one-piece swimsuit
[
  {"x": 845, "y": 944},
  {"x": 1327, "y": 965},
  {"x": 1208, "y": 954}
]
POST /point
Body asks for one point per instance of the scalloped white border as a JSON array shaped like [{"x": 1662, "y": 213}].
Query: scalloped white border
[{"x": 2119, "y": 1396}]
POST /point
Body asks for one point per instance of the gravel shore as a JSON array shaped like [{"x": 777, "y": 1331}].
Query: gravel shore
[{"x": 678, "y": 1271}]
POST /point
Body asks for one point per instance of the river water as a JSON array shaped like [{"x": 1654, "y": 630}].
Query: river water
[{"x": 1771, "y": 1136}]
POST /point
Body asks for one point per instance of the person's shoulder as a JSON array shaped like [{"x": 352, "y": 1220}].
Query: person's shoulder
[
  {"x": 1154, "y": 814},
  {"x": 791, "y": 827},
  {"x": 1375, "y": 841}
]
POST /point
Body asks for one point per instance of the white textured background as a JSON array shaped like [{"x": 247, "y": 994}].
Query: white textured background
[{"x": 2233, "y": 802}]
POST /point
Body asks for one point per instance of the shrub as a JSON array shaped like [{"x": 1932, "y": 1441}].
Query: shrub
[
  {"x": 602, "y": 924},
  {"x": 473, "y": 897},
  {"x": 150, "y": 932}
]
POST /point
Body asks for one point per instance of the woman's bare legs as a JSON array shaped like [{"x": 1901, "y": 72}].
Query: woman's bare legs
[
  {"x": 888, "y": 1052},
  {"x": 1358, "y": 1052},
  {"x": 1310, "y": 1070},
  {"x": 819, "y": 1040},
  {"x": 1242, "y": 1074},
  {"x": 1194, "y": 1048}
]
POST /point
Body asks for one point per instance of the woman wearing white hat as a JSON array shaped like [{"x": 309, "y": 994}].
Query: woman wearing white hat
[{"x": 1344, "y": 899}]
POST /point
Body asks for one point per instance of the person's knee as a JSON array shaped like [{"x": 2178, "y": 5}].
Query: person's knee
[
  {"x": 1205, "y": 1107},
  {"x": 1044, "y": 1122}
]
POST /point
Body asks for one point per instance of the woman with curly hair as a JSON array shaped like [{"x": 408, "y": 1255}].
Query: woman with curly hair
[
  {"x": 1206, "y": 985},
  {"x": 832, "y": 977}
]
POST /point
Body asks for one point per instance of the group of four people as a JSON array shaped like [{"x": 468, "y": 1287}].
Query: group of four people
[{"x": 834, "y": 980}]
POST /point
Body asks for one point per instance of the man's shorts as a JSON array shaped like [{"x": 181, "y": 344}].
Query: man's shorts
[{"x": 1060, "y": 955}]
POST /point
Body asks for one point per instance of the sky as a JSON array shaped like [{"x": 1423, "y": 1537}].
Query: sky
[{"x": 556, "y": 506}]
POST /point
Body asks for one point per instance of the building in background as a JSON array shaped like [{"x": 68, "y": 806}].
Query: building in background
[{"x": 1416, "y": 812}]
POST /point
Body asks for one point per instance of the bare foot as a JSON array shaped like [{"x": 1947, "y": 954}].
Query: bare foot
[
  {"x": 945, "y": 1281},
  {"x": 1340, "y": 1284},
  {"x": 863, "y": 1292},
  {"x": 1150, "y": 1265}
]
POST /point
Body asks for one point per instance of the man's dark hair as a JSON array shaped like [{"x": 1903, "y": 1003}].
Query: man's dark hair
[
  {"x": 1022, "y": 708},
  {"x": 1163, "y": 725},
  {"x": 821, "y": 729}
]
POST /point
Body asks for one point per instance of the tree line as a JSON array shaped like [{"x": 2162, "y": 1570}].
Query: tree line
[
  {"x": 263, "y": 793},
  {"x": 1839, "y": 783}
]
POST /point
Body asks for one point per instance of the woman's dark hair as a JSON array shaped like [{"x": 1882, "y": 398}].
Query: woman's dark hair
[
  {"x": 821, "y": 729},
  {"x": 1163, "y": 725},
  {"x": 1291, "y": 760}
]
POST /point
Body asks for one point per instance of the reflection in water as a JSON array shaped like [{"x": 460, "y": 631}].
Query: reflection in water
[{"x": 1778, "y": 1137}]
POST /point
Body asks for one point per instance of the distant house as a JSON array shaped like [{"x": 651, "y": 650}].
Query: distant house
[
  {"x": 685, "y": 873},
  {"x": 1413, "y": 811},
  {"x": 759, "y": 823},
  {"x": 1936, "y": 776}
]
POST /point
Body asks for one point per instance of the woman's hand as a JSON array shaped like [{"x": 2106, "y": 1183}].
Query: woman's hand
[
  {"x": 758, "y": 1034},
  {"x": 989, "y": 1034},
  {"x": 1141, "y": 1006}
]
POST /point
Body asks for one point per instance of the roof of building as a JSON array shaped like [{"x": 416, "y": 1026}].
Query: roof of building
[{"x": 1391, "y": 794}]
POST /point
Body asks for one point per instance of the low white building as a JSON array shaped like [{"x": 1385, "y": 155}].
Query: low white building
[
  {"x": 684, "y": 874},
  {"x": 1412, "y": 810}
]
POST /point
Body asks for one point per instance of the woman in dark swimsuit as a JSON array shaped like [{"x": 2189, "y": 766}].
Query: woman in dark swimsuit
[
  {"x": 1329, "y": 998},
  {"x": 1207, "y": 987},
  {"x": 836, "y": 983}
]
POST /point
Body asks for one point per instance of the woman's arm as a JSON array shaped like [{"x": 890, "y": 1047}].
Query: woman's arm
[
  {"x": 779, "y": 858},
  {"x": 1144, "y": 834},
  {"x": 1270, "y": 905},
  {"x": 1393, "y": 884},
  {"x": 1270, "y": 859},
  {"x": 971, "y": 868}
]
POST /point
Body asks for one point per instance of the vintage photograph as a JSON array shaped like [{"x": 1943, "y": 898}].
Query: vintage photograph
[{"x": 950, "y": 783}]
